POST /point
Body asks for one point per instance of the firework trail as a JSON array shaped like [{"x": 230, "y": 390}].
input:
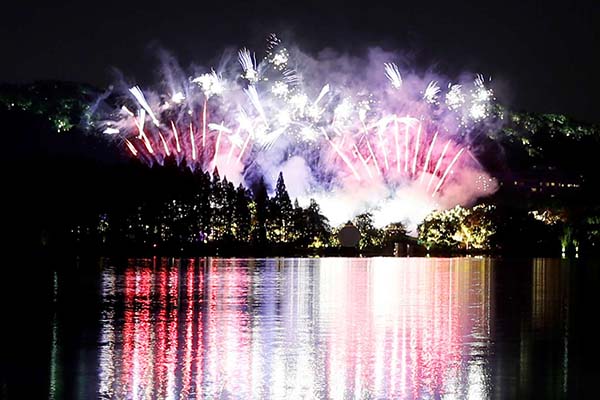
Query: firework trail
[{"x": 356, "y": 139}]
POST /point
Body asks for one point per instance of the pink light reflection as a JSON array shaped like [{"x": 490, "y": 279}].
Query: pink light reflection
[{"x": 334, "y": 328}]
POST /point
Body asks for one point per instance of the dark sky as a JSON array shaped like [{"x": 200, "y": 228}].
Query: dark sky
[{"x": 543, "y": 55}]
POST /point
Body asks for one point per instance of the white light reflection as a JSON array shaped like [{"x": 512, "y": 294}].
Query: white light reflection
[{"x": 106, "y": 372}]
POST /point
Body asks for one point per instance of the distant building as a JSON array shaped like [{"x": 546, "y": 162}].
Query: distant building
[{"x": 543, "y": 183}]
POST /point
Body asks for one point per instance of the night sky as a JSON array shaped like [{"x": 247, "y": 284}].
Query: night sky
[{"x": 543, "y": 56}]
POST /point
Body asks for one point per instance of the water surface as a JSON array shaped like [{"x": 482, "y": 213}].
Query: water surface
[{"x": 381, "y": 328}]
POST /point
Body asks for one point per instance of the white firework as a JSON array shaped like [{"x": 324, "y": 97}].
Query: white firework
[
  {"x": 363, "y": 108},
  {"x": 481, "y": 97},
  {"x": 236, "y": 139},
  {"x": 481, "y": 92},
  {"x": 280, "y": 89},
  {"x": 178, "y": 98},
  {"x": 219, "y": 127},
  {"x": 253, "y": 96},
  {"x": 431, "y": 92},
  {"x": 210, "y": 83},
  {"x": 280, "y": 59},
  {"x": 455, "y": 97},
  {"x": 343, "y": 111},
  {"x": 393, "y": 74},
  {"x": 283, "y": 117},
  {"x": 298, "y": 101},
  {"x": 307, "y": 133},
  {"x": 323, "y": 92},
  {"x": 275, "y": 111},
  {"x": 248, "y": 63},
  {"x": 139, "y": 96},
  {"x": 478, "y": 111}
]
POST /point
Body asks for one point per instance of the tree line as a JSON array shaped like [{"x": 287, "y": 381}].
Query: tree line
[
  {"x": 503, "y": 229},
  {"x": 216, "y": 216},
  {"x": 210, "y": 215}
]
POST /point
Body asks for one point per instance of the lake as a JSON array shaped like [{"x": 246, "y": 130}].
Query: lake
[{"x": 328, "y": 328}]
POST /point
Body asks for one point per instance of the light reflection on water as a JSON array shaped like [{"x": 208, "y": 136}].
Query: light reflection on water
[
  {"x": 400, "y": 328},
  {"x": 296, "y": 328}
]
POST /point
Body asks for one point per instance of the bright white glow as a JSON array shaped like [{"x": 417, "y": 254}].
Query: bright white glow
[
  {"x": 478, "y": 111},
  {"x": 210, "y": 83},
  {"x": 177, "y": 98},
  {"x": 308, "y": 134},
  {"x": 455, "y": 98},
  {"x": 280, "y": 58},
  {"x": 299, "y": 101},
  {"x": 344, "y": 110},
  {"x": 219, "y": 127},
  {"x": 110, "y": 131},
  {"x": 283, "y": 117},
  {"x": 280, "y": 89}
]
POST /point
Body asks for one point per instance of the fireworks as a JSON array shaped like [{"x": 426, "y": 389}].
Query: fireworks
[
  {"x": 354, "y": 134},
  {"x": 393, "y": 74}
]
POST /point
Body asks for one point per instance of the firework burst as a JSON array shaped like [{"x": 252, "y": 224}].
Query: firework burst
[{"x": 334, "y": 130}]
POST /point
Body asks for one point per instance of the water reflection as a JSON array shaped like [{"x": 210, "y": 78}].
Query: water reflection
[
  {"x": 329, "y": 328},
  {"x": 544, "y": 343}
]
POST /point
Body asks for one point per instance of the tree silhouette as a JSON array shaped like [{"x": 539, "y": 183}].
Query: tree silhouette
[
  {"x": 217, "y": 205},
  {"x": 370, "y": 236},
  {"x": 242, "y": 214},
  {"x": 280, "y": 214},
  {"x": 203, "y": 201},
  {"x": 228, "y": 210},
  {"x": 261, "y": 203},
  {"x": 316, "y": 231},
  {"x": 298, "y": 223},
  {"x": 394, "y": 233}
]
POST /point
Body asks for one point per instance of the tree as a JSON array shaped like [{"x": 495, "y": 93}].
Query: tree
[
  {"x": 138, "y": 225},
  {"x": 217, "y": 205},
  {"x": 476, "y": 228},
  {"x": 298, "y": 223},
  {"x": 315, "y": 231},
  {"x": 203, "y": 201},
  {"x": 394, "y": 233},
  {"x": 280, "y": 213},
  {"x": 242, "y": 215},
  {"x": 439, "y": 228},
  {"x": 459, "y": 227},
  {"x": 518, "y": 231},
  {"x": 228, "y": 210},
  {"x": 369, "y": 235},
  {"x": 259, "y": 233}
]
